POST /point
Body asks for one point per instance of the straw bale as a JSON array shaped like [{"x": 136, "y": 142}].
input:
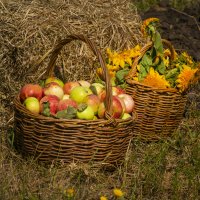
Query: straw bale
[{"x": 29, "y": 29}]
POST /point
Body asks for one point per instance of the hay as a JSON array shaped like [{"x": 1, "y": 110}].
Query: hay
[{"x": 29, "y": 29}]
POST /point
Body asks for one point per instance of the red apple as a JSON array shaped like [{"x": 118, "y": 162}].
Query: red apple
[
  {"x": 93, "y": 101},
  {"x": 54, "y": 89},
  {"x": 79, "y": 93},
  {"x": 31, "y": 90},
  {"x": 65, "y": 103},
  {"x": 101, "y": 110},
  {"x": 55, "y": 80},
  {"x": 84, "y": 83},
  {"x": 32, "y": 104},
  {"x": 122, "y": 103},
  {"x": 69, "y": 86},
  {"x": 128, "y": 101},
  {"x": 53, "y": 104},
  {"x": 117, "y": 107},
  {"x": 116, "y": 90},
  {"x": 102, "y": 96}
]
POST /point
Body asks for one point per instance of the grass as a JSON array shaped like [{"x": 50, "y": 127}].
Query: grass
[
  {"x": 167, "y": 169},
  {"x": 144, "y": 5}
]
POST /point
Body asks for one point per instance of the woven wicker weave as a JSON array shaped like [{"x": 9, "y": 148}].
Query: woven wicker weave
[
  {"x": 159, "y": 110},
  {"x": 102, "y": 141}
]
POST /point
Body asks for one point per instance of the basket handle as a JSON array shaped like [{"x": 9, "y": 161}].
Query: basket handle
[
  {"x": 133, "y": 69},
  {"x": 54, "y": 55}
]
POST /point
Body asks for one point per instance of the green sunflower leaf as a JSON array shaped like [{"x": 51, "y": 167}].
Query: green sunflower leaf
[
  {"x": 120, "y": 75},
  {"x": 68, "y": 113},
  {"x": 161, "y": 68},
  {"x": 82, "y": 107},
  {"x": 46, "y": 109},
  {"x": 142, "y": 73},
  {"x": 158, "y": 43},
  {"x": 146, "y": 59},
  {"x": 171, "y": 73}
]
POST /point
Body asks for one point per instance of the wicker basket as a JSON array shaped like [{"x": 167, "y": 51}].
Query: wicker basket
[
  {"x": 159, "y": 110},
  {"x": 102, "y": 141}
]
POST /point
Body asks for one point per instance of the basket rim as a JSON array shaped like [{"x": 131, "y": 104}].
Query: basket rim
[{"x": 19, "y": 106}]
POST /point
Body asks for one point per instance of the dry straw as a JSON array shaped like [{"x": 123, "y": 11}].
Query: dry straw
[{"x": 29, "y": 29}]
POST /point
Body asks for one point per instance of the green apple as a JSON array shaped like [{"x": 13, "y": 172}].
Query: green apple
[
  {"x": 79, "y": 93},
  {"x": 84, "y": 83},
  {"x": 97, "y": 88},
  {"x": 85, "y": 113},
  {"x": 32, "y": 104},
  {"x": 95, "y": 117},
  {"x": 55, "y": 80},
  {"x": 126, "y": 116}
]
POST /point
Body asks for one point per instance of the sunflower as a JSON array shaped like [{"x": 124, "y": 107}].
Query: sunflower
[
  {"x": 103, "y": 198},
  {"x": 166, "y": 61},
  {"x": 184, "y": 78},
  {"x": 118, "y": 193},
  {"x": 122, "y": 58},
  {"x": 146, "y": 23},
  {"x": 167, "y": 53},
  {"x": 136, "y": 78},
  {"x": 154, "y": 79},
  {"x": 69, "y": 192},
  {"x": 131, "y": 53},
  {"x": 99, "y": 71},
  {"x": 111, "y": 71},
  {"x": 115, "y": 58},
  {"x": 187, "y": 58},
  {"x": 112, "y": 67}
]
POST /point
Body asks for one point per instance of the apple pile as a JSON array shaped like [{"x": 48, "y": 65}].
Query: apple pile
[{"x": 74, "y": 100}]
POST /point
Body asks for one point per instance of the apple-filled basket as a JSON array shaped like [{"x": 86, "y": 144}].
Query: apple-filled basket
[
  {"x": 102, "y": 141},
  {"x": 159, "y": 111}
]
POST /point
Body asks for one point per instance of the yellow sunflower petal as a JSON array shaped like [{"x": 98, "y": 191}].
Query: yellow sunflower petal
[
  {"x": 166, "y": 61},
  {"x": 103, "y": 198},
  {"x": 184, "y": 78},
  {"x": 69, "y": 192},
  {"x": 167, "y": 53},
  {"x": 138, "y": 67},
  {"x": 117, "y": 192},
  {"x": 129, "y": 61},
  {"x": 154, "y": 79},
  {"x": 122, "y": 63}
]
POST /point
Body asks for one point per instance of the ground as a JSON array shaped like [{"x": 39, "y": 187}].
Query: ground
[
  {"x": 164, "y": 170},
  {"x": 182, "y": 28}
]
